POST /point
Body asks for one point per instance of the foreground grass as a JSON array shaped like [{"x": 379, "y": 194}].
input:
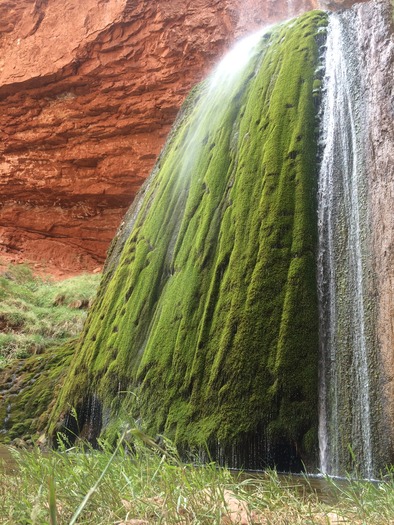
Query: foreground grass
[
  {"x": 141, "y": 484},
  {"x": 37, "y": 313}
]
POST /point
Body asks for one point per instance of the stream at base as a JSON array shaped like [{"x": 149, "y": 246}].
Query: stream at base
[{"x": 326, "y": 489}]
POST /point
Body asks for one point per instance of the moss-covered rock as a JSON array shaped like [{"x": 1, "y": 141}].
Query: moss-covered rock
[
  {"x": 205, "y": 327},
  {"x": 28, "y": 391}
]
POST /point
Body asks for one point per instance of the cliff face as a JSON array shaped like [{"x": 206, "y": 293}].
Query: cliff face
[
  {"x": 355, "y": 270},
  {"x": 378, "y": 61},
  {"x": 88, "y": 92}
]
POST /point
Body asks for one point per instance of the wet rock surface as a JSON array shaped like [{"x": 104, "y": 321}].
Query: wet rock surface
[
  {"x": 378, "y": 42},
  {"x": 335, "y": 5}
]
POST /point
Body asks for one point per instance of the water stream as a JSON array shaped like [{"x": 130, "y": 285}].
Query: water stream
[{"x": 345, "y": 343}]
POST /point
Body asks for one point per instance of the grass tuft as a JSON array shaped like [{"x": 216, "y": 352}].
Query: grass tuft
[
  {"x": 143, "y": 483},
  {"x": 37, "y": 313}
]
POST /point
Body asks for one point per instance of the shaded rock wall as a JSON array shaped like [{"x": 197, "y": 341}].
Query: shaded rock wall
[
  {"x": 378, "y": 58},
  {"x": 355, "y": 237},
  {"x": 88, "y": 92}
]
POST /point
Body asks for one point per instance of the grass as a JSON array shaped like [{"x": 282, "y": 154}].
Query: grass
[
  {"x": 39, "y": 321},
  {"x": 145, "y": 483},
  {"x": 37, "y": 313}
]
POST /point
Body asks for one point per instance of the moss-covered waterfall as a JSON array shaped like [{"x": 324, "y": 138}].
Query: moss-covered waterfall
[{"x": 205, "y": 327}]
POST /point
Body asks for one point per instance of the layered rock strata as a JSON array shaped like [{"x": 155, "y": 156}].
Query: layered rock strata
[{"x": 88, "y": 92}]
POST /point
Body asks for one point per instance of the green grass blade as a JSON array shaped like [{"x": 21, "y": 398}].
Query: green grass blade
[
  {"x": 93, "y": 489},
  {"x": 52, "y": 500}
]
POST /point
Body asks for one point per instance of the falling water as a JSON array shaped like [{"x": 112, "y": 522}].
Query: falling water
[
  {"x": 208, "y": 108},
  {"x": 345, "y": 430}
]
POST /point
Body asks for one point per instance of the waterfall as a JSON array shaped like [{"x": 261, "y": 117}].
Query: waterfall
[
  {"x": 346, "y": 343},
  {"x": 207, "y": 316}
]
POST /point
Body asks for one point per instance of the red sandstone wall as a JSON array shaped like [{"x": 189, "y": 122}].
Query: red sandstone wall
[{"x": 88, "y": 92}]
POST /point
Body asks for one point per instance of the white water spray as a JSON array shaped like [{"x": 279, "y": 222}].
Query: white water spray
[
  {"x": 215, "y": 99},
  {"x": 236, "y": 59},
  {"x": 345, "y": 428}
]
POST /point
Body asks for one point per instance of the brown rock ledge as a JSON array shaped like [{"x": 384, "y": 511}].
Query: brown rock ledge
[{"x": 88, "y": 93}]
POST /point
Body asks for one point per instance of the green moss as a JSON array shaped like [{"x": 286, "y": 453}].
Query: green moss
[
  {"x": 205, "y": 326},
  {"x": 38, "y": 318},
  {"x": 29, "y": 388}
]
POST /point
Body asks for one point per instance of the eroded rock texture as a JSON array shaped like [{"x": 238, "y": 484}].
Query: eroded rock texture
[
  {"x": 355, "y": 271},
  {"x": 378, "y": 42},
  {"x": 335, "y": 5},
  {"x": 88, "y": 92}
]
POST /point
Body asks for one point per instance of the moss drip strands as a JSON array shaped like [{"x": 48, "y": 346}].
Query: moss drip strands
[{"x": 208, "y": 321}]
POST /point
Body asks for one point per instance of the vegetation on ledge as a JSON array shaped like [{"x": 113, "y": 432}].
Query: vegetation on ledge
[
  {"x": 39, "y": 321},
  {"x": 37, "y": 313}
]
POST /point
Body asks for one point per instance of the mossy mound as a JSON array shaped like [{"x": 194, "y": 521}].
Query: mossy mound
[
  {"x": 28, "y": 391},
  {"x": 39, "y": 320},
  {"x": 206, "y": 326}
]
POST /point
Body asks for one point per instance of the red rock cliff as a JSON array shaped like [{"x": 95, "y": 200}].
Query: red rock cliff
[{"x": 88, "y": 92}]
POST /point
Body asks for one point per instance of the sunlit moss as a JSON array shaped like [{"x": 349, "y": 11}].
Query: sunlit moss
[{"x": 206, "y": 327}]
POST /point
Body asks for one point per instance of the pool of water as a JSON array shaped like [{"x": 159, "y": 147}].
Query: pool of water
[
  {"x": 323, "y": 487},
  {"x": 303, "y": 484}
]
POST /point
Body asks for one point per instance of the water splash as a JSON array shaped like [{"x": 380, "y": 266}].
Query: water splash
[
  {"x": 224, "y": 83},
  {"x": 236, "y": 59}
]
